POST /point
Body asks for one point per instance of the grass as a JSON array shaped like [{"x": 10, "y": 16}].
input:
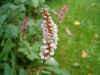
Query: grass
[{"x": 85, "y": 37}]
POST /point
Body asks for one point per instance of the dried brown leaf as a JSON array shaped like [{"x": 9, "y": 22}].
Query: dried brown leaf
[{"x": 68, "y": 31}]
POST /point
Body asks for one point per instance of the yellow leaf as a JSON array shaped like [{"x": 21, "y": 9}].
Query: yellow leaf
[
  {"x": 90, "y": 74},
  {"x": 84, "y": 54},
  {"x": 76, "y": 23}
]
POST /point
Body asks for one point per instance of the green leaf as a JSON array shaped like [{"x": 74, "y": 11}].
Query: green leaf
[
  {"x": 12, "y": 6},
  {"x": 34, "y": 51},
  {"x": 4, "y": 8},
  {"x": 2, "y": 19},
  {"x": 20, "y": 1},
  {"x": 35, "y": 3},
  {"x": 13, "y": 62},
  {"x": 2, "y": 65},
  {"x": 22, "y": 72},
  {"x": 45, "y": 72},
  {"x": 57, "y": 70},
  {"x": 11, "y": 31},
  {"x": 7, "y": 48},
  {"x": 42, "y": 1},
  {"x": 52, "y": 62},
  {"x": 31, "y": 52},
  {"x": 7, "y": 70},
  {"x": 21, "y": 8}
]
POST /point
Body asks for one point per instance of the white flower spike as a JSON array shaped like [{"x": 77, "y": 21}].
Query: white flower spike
[{"x": 50, "y": 36}]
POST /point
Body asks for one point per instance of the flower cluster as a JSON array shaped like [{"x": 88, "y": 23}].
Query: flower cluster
[
  {"x": 61, "y": 13},
  {"x": 50, "y": 36}
]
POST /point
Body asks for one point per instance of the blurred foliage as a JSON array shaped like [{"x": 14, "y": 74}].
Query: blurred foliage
[{"x": 18, "y": 52}]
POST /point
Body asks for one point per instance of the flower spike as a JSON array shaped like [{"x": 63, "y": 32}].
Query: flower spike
[{"x": 50, "y": 36}]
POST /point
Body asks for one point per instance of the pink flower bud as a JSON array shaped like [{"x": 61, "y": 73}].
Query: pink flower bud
[{"x": 23, "y": 25}]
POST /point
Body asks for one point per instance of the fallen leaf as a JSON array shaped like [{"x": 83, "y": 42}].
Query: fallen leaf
[
  {"x": 76, "y": 23},
  {"x": 90, "y": 74},
  {"x": 68, "y": 31},
  {"x": 84, "y": 54}
]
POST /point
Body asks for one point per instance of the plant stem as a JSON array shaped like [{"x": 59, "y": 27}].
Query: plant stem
[{"x": 37, "y": 73}]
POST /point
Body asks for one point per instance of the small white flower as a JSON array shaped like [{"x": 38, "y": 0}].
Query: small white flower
[
  {"x": 45, "y": 16},
  {"x": 46, "y": 57},
  {"x": 50, "y": 41},
  {"x": 52, "y": 53},
  {"x": 46, "y": 51},
  {"x": 42, "y": 57},
  {"x": 53, "y": 45},
  {"x": 44, "y": 47}
]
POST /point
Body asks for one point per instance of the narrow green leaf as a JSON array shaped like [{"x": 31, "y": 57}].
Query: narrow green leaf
[
  {"x": 7, "y": 48},
  {"x": 7, "y": 70},
  {"x": 13, "y": 62}
]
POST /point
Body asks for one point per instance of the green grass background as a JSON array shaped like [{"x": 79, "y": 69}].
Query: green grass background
[{"x": 84, "y": 37}]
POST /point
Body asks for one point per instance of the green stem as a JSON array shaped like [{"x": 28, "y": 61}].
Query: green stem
[{"x": 37, "y": 73}]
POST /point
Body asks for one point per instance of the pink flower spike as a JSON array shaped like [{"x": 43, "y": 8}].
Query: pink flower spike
[
  {"x": 65, "y": 8},
  {"x": 24, "y": 25},
  {"x": 61, "y": 13}
]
